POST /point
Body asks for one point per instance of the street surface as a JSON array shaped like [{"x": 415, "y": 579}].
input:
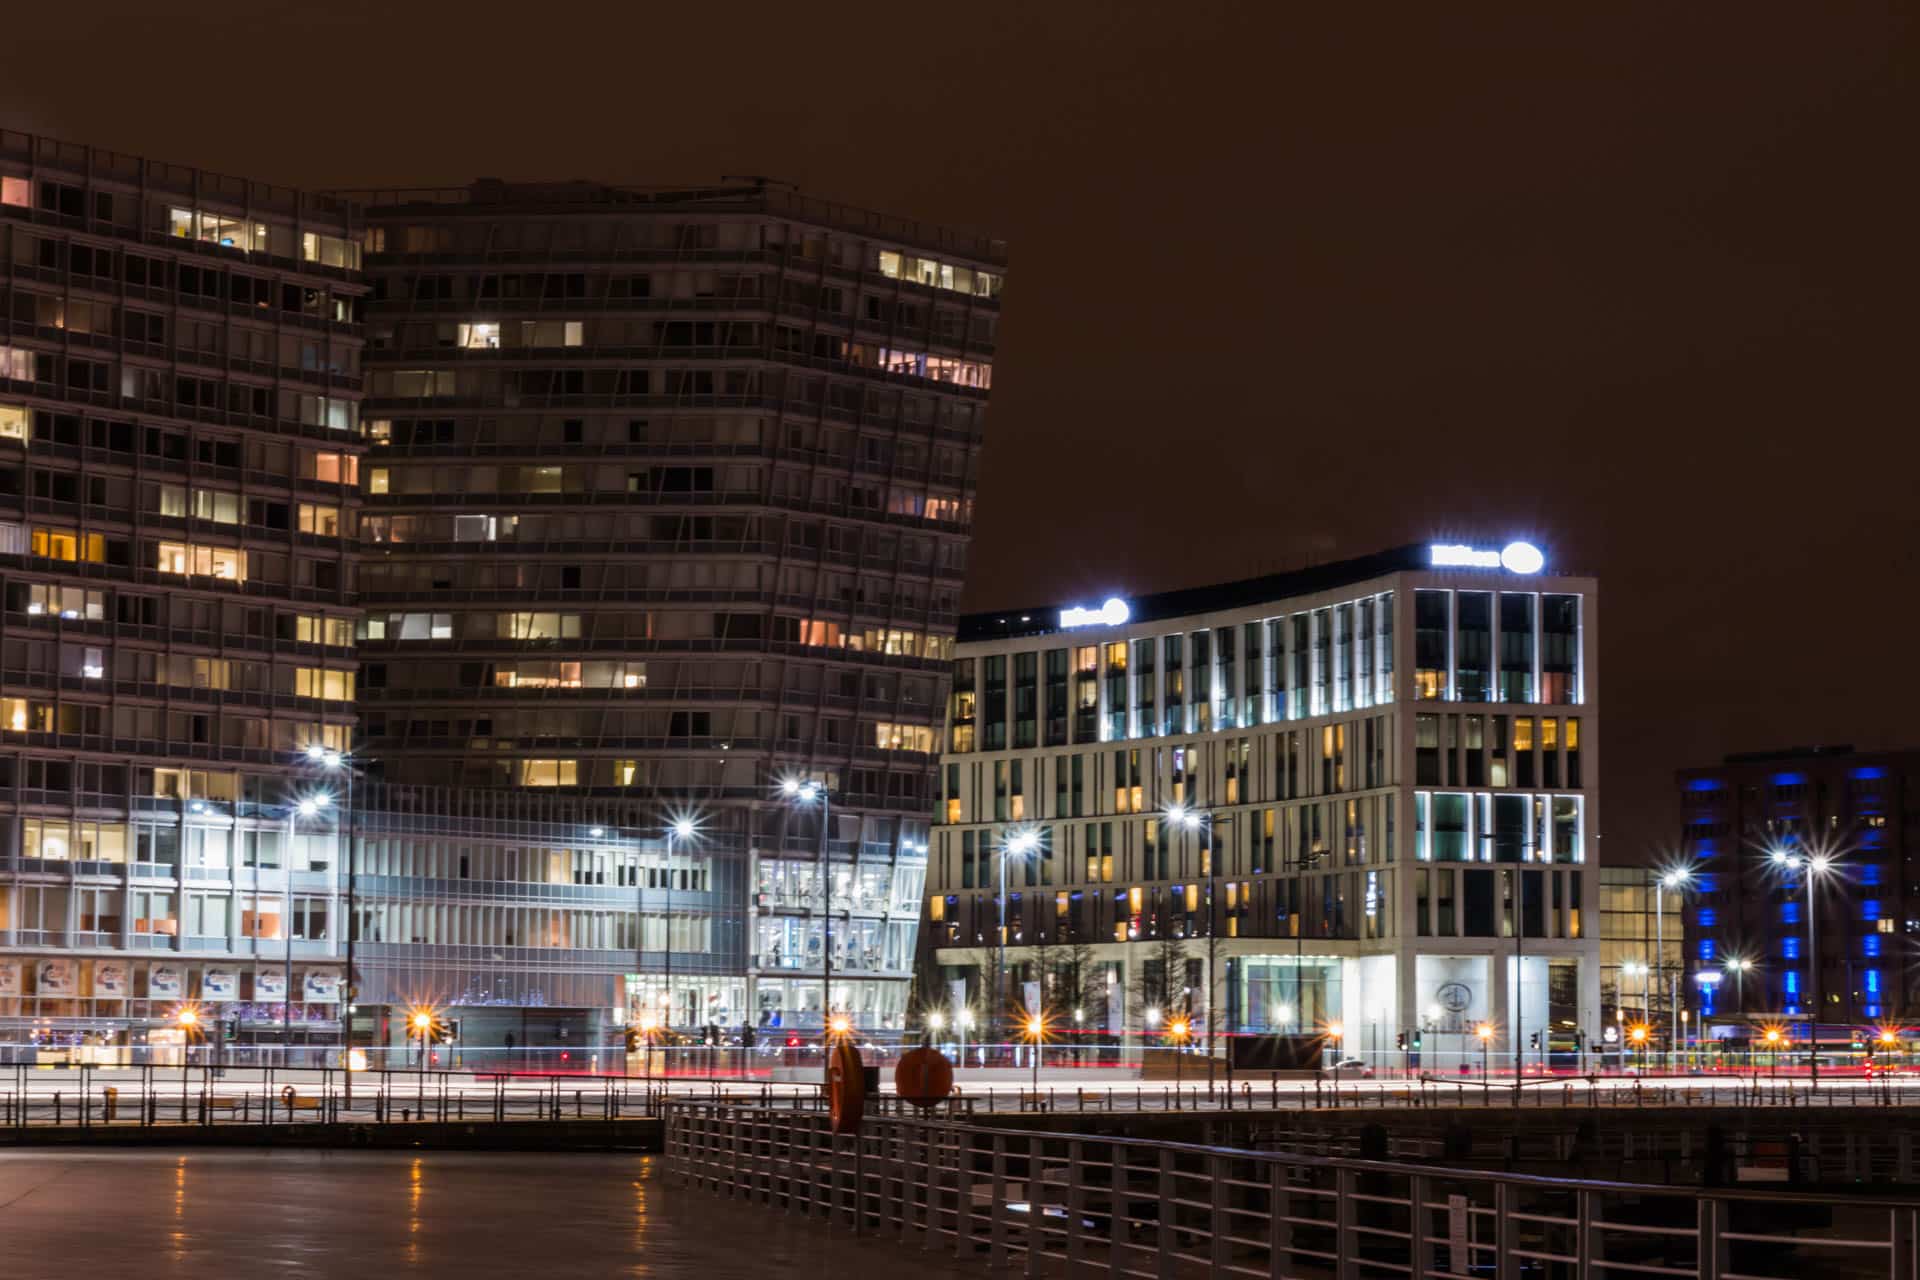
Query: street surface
[{"x": 238, "y": 1215}]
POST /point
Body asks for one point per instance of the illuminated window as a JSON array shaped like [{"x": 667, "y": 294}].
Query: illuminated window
[
  {"x": 213, "y": 505},
  {"x": 16, "y": 191},
  {"x": 330, "y": 251},
  {"x": 903, "y": 737},
  {"x": 378, "y": 481},
  {"x": 229, "y": 563},
  {"x": 72, "y": 603},
  {"x": 626, "y": 771},
  {"x": 337, "y": 468},
  {"x": 320, "y": 682},
  {"x": 45, "y": 839},
  {"x": 551, "y": 333},
  {"x": 548, "y": 773},
  {"x": 321, "y": 521},
  {"x": 64, "y": 544},
  {"x": 313, "y": 628},
  {"x": 478, "y": 336},
  {"x": 15, "y": 422},
  {"x": 538, "y": 675},
  {"x": 540, "y": 626}
]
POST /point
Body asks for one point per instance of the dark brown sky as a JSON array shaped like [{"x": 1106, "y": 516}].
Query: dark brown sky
[{"x": 1641, "y": 285}]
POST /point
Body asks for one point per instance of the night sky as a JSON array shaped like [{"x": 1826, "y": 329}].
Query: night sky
[{"x": 1286, "y": 287}]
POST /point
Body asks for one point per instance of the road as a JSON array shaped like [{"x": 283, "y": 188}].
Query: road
[{"x": 238, "y": 1215}]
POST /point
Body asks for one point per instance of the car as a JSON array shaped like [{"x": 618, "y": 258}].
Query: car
[{"x": 1353, "y": 1067}]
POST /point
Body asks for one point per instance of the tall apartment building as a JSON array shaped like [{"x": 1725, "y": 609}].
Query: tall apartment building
[
  {"x": 1746, "y": 914},
  {"x": 668, "y": 498},
  {"x": 1386, "y": 769},
  {"x": 179, "y": 453}
]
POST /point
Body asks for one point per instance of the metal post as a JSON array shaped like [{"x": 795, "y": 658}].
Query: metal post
[
  {"x": 346, "y": 999},
  {"x": 286, "y": 928},
  {"x": 826, "y": 937},
  {"x": 1813, "y": 979},
  {"x": 667, "y": 1020},
  {"x": 1659, "y": 944},
  {"x": 998, "y": 1020}
]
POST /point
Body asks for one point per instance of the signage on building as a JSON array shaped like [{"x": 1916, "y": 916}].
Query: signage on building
[
  {"x": 321, "y": 987},
  {"x": 1515, "y": 557},
  {"x": 220, "y": 984},
  {"x": 1111, "y": 614},
  {"x": 269, "y": 984},
  {"x": 163, "y": 981},
  {"x": 55, "y": 978},
  {"x": 9, "y": 979},
  {"x": 110, "y": 978}
]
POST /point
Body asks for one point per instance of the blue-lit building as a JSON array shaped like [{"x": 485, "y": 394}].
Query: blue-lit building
[{"x": 1745, "y": 826}]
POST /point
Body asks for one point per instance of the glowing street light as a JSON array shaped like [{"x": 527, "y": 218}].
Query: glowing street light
[{"x": 1817, "y": 864}]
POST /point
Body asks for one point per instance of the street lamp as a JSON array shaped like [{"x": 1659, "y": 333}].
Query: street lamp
[
  {"x": 1195, "y": 819},
  {"x": 1036, "y": 1032},
  {"x": 422, "y": 1020},
  {"x": 306, "y": 807},
  {"x": 1335, "y": 1031},
  {"x": 1177, "y": 1032},
  {"x": 1637, "y": 1034},
  {"x": 1771, "y": 1037},
  {"x": 1485, "y": 1032},
  {"x": 1676, "y": 878},
  {"x": 1813, "y": 866},
  {"x": 1021, "y": 844},
  {"x": 1738, "y": 966},
  {"x": 805, "y": 792},
  {"x": 333, "y": 761},
  {"x": 681, "y": 828}
]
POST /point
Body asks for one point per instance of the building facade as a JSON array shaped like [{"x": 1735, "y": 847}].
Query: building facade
[
  {"x": 669, "y": 497},
  {"x": 1746, "y": 911},
  {"x": 666, "y": 500},
  {"x": 1640, "y": 955},
  {"x": 179, "y": 454},
  {"x": 1357, "y": 801}
]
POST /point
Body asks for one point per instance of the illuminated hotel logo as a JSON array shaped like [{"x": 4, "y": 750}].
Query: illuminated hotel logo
[
  {"x": 1111, "y": 614},
  {"x": 1515, "y": 557}
]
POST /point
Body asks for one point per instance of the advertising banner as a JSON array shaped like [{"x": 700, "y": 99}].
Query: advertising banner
[
  {"x": 320, "y": 986},
  {"x": 10, "y": 978},
  {"x": 110, "y": 979},
  {"x": 220, "y": 985},
  {"x": 165, "y": 982},
  {"x": 269, "y": 984},
  {"x": 55, "y": 978}
]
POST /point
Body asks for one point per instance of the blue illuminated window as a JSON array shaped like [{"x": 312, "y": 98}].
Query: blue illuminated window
[
  {"x": 1870, "y": 945},
  {"x": 1707, "y": 881},
  {"x": 1790, "y": 948},
  {"x": 1873, "y": 1011},
  {"x": 1869, "y": 874},
  {"x": 1870, "y": 909},
  {"x": 1705, "y": 917},
  {"x": 1873, "y": 981},
  {"x": 1793, "y": 981},
  {"x": 1706, "y": 948},
  {"x": 1790, "y": 912}
]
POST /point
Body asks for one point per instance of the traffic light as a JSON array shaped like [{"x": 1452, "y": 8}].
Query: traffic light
[
  {"x": 746, "y": 1036},
  {"x": 1533, "y": 1040},
  {"x": 633, "y": 1039},
  {"x": 1416, "y": 1039},
  {"x": 1400, "y": 1039}
]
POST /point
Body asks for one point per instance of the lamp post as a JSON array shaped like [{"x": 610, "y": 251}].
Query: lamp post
[
  {"x": 1771, "y": 1036},
  {"x": 307, "y": 807},
  {"x": 1021, "y": 844},
  {"x": 1335, "y": 1032},
  {"x": 1813, "y": 866},
  {"x": 1036, "y": 1032},
  {"x": 333, "y": 761},
  {"x": 188, "y": 1020},
  {"x": 805, "y": 792},
  {"x": 1485, "y": 1032},
  {"x": 1195, "y": 819},
  {"x": 1637, "y": 1034},
  {"x": 1738, "y": 966},
  {"x": 1177, "y": 1031},
  {"x": 681, "y": 828},
  {"x": 935, "y": 1021},
  {"x": 1635, "y": 969},
  {"x": 421, "y": 1022},
  {"x": 1673, "y": 879}
]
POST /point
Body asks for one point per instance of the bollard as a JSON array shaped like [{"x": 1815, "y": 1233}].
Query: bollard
[{"x": 109, "y": 1104}]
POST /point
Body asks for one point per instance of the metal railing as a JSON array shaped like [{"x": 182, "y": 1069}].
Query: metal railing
[{"x": 1054, "y": 1204}]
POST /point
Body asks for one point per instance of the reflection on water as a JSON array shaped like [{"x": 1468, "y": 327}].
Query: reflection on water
[{"x": 334, "y": 1214}]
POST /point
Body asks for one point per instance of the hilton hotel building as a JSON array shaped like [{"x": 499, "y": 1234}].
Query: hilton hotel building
[{"x": 1392, "y": 761}]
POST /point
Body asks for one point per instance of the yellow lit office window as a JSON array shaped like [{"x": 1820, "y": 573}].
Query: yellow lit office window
[
  {"x": 936, "y": 908},
  {"x": 377, "y": 480},
  {"x": 1135, "y": 897},
  {"x": 56, "y": 544},
  {"x": 953, "y": 809},
  {"x": 319, "y": 682},
  {"x": 1523, "y": 733},
  {"x": 1549, "y": 733},
  {"x": 1060, "y": 905},
  {"x": 14, "y": 422},
  {"x": 1193, "y": 897},
  {"x": 548, "y": 773}
]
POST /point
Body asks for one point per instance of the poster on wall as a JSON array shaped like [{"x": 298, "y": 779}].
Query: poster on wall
[
  {"x": 9, "y": 979},
  {"x": 320, "y": 986},
  {"x": 269, "y": 984},
  {"x": 110, "y": 979},
  {"x": 164, "y": 981},
  {"x": 55, "y": 978},
  {"x": 220, "y": 985}
]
